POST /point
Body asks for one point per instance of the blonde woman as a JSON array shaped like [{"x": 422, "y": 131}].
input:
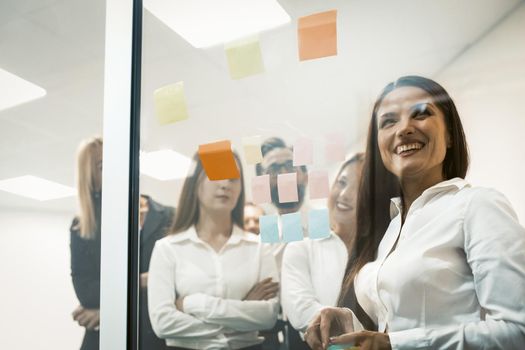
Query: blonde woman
[
  {"x": 211, "y": 285},
  {"x": 85, "y": 241}
]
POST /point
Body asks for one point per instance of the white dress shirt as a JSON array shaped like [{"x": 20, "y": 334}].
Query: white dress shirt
[
  {"x": 311, "y": 277},
  {"x": 213, "y": 285},
  {"x": 455, "y": 279}
]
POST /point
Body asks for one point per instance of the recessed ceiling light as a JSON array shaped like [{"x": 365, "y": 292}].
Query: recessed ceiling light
[
  {"x": 164, "y": 164},
  {"x": 36, "y": 188},
  {"x": 16, "y": 90},
  {"x": 205, "y": 23}
]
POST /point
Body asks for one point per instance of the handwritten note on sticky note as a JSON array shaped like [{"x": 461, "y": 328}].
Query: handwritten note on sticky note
[
  {"x": 252, "y": 149},
  {"x": 269, "y": 228},
  {"x": 317, "y": 35},
  {"x": 170, "y": 103},
  {"x": 318, "y": 184},
  {"x": 318, "y": 223},
  {"x": 218, "y": 161},
  {"x": 287, "y": 188},
  {"x": 244, "y": 58},
  {"x": 334, "y": 148},
  {"x": 303, "y": 152},
  {"x": 292, "y": 228},
  {"x": 261, "y": 189}
]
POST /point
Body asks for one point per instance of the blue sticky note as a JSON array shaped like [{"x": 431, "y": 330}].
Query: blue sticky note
[
  {"x": 292, "y": 228},
  {"x": 269, "y": 228},
  {"x": 318, "y": 223},
  {"x": 349, "y": 346}
]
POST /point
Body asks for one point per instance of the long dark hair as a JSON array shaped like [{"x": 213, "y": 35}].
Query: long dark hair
[
  {"x": 378, "y": 185},
  {"x": 188, "y": 207}
]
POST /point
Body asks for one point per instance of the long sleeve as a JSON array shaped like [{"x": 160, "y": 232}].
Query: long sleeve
[
  {"x": 300, "y": 304},
  {"x": 166, "y": 320},
  {"x": 495, "y": 250},
  {"x": 85, "y": 270},
  {"x": 241, "y": 315}
]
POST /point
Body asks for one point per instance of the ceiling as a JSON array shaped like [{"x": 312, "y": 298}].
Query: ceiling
[{"x": 59, "y": 45}]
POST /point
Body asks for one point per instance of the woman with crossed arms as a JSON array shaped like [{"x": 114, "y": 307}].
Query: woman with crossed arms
[
  {"x": 211, "y": 285},
  {"x": 448, "y": 270}
]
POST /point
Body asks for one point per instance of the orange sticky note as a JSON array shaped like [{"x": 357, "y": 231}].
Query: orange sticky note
[
  {"x": 317, "y": 35},
  {"x": 218, "y": 161}
]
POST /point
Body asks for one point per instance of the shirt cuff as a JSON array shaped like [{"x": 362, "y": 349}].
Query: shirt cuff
[
  {"x": 194, "y": 304},
  {"x": 415, "y": 338}
]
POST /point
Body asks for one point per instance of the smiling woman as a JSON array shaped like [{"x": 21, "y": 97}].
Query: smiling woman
[{"x": 447, "y": 243}]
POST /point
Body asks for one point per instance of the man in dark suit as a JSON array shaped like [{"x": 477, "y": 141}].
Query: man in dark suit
[{"x": 155, "y": 221}]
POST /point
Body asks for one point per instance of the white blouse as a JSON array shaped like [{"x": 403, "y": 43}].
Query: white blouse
[
  {"x": 456, "y": 279},
  {"x": 213, "y": 285},
  {"x": 311, "y": 277}
]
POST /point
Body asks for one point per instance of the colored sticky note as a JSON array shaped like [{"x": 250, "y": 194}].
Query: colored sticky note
[
  {"x": 269, "y": 228},
  {"x": 252, "y": 149},
  {"x": 170, "y": 103},
  {"x": 287, "y": 188},
  {"x": 291, "y": 226},
  {"x": 317, "y": 35},
  {"x": 261, "y": 189},
  {"x": 318, "y": 184},
  {"x": 303, "y": 152},
  {"x": 244, "y": 58},
  {"x": 349, "y": 346},
  {"x": 334, "y": 148},
  {"x": 218, "y": 161},
  {"x": 318, "y": 223}
]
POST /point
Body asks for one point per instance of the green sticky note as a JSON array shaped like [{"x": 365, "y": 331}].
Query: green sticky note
[
  {"x": 170, "y": 103},
  {"x": 244, "y": 58}
]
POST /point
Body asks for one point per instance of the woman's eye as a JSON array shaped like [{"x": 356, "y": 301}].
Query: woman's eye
[
  {"x": 422, "y": 113},
  {"x": 386, "y": 123}
]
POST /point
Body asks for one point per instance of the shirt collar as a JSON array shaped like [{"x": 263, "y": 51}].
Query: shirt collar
[
  {"x": 458, "y": 183},
  {"x": 236, "y": 237}
]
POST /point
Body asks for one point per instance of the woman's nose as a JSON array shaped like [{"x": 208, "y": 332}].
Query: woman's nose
[{"x": 405, "y": 127}]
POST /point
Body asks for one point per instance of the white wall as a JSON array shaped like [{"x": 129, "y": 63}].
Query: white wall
[
  {"x": 488, "y": 85},
  {"x": 37, "y": 296}
]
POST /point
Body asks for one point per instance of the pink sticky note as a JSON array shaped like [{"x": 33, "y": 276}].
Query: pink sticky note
[
  {"x": 287, "y": 187},
  {"x": 261, "y": 189},
  {"x": 334, "y": 148},
  {"x": 303, "y": 152},
  {"x": 318, "y": 184}
]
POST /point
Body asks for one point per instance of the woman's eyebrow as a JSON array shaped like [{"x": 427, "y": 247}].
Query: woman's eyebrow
[{"x": 387, "y": 114}]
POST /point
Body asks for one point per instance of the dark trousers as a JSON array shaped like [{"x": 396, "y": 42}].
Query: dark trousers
[{"x": 90, "y": 341}]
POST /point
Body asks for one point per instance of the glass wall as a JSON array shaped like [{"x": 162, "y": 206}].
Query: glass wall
[
  {"x": 289, "y": 86},
  {"x": 51, "y": 78}
]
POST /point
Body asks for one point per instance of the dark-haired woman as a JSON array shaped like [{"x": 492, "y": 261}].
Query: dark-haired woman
[
  {"x": 313, "y": 269},
  {"x": 211, "y": 285},
  {"x": 448, "y": 270}
]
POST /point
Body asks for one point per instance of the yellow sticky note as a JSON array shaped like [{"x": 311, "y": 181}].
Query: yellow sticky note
[
  {"x": 244, "y": 58},
  {"x": 252, "y": 149},
  {"x": 170, "y": 103},
  {"x": 317, "y": 35}
]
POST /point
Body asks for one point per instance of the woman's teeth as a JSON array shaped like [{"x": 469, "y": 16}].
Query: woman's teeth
[
  {"x": 342, "y": 206},
  {"x": 408, "y": 147}
]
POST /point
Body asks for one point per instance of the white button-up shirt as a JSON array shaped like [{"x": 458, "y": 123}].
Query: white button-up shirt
[
  {"x": 455, "y": 279},
  {"x": 213, "y": 285},
  {"x": 312, "y": 274}
]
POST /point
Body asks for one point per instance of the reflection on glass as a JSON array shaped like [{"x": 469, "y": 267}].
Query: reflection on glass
[{"x": 296, "y": 99}]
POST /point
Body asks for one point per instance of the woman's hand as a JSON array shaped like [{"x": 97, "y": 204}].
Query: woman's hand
[
  {"x": 264, "y": 290},
  {"x": 331, "y": 321},
  {"x": 365, "y": 340},
  {"x": 179, "y": 304},
  {"x": 88, "y": 318}
]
